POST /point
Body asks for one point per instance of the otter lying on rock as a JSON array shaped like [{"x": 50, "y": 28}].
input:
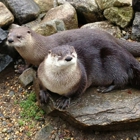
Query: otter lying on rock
[
  {"x": 69, "y": 72},
  {"x": 34, "y": 47}
]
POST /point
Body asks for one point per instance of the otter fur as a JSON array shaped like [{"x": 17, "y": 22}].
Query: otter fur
[
  {"x": 62, "y": 72},
  {"x": 68, "y": 71},
  {"x": 34, "y": 47}
]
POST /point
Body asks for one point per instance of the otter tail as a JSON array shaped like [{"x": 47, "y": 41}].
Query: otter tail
[{"x": 132, "y": 47}]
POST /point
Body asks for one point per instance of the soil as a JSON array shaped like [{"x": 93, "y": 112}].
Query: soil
[{"x": 11, "y": 93}]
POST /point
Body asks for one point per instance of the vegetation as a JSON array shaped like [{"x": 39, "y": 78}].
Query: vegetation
[{"x": 30, "y": 109}]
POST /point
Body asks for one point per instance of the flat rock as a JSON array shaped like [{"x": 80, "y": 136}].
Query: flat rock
[
  {"x": 6, "y": 17},
  {"x": 24, "y": 11},
  {"x": 106, "y": 26},
  {"x": 66, "y": 13},
  {"x": 117, "y": 110}
]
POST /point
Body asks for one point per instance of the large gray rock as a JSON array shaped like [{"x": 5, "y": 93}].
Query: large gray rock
[
  {"x": 24, "y": 11},
  {"x": 116, "y": 110},
  {"x": 5, "y": 60},
  {"x": 87, "y": 10},
  {"x": 121, "y": 16},
  {"x": 136, "y": 27},
  {"x": 106, "y": 26},
  {"x": 6, "y": 17},
  {"x": 64, "y": 12}
]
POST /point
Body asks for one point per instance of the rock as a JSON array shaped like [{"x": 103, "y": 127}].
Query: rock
[
  {"x": 11, "y": 93},
  {"x": 48, "y": 27},
  {"x": 45, "y": 5},
  {"x": 3, "y": 35},
  {"x": 87, "y": 11},
  {"x": 64, "y": 12},
  {"x": 136, "y": 5},
  {"x": 6, "y": 17},
  {"x": 44, "y": 133},
  {"x": 117, "y": 110},
  {"x": 5, "y": 60},
  {"x": 121, "y": 3},
  {"x": 104, "y": 4},
  {"x": 27, "y": 77},
  {"x": 135, "y": 27},
  {"x": 106, "y": 26},
  {"x": 121, "y": 16},
  {"x": 4, "y": 49},
  {"x": 24, "y": 11}
]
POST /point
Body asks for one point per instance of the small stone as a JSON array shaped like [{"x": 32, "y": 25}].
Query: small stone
[
  {"x": 4, "y": 130},
  {"x": 4, "y": 123},
  {"x": 134, "y": 138},
  {"x": 9, "y": 130},
  {"x": 11, "y": 93}
]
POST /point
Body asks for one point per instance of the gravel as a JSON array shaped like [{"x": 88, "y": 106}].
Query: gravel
[{"x": 13, "y": 127}]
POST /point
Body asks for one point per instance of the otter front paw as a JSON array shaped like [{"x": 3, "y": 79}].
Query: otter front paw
[
  {"x": 106, "y": 89},
  {"x": 63, "y": 102},
  {"x": 44, "y": 96}
]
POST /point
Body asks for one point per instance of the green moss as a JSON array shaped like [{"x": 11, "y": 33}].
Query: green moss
[{"x": 29, "y": 108}]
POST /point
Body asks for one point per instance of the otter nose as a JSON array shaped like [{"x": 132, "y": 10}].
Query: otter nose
[
  {"x": 68, "y": 58},
  {"x": 10, "y": 40}
]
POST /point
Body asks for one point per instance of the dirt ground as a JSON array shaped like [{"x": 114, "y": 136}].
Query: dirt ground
[{"x": 11, "y": 92}]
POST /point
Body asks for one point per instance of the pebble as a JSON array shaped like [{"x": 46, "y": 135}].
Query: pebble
[
  {"x": 11, "y": 93},
  {"x": 134, "y": 138},
  {"x": 4, "y": 130}
]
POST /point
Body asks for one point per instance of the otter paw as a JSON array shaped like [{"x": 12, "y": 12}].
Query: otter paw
[
  {"x": 106, "y": 89},
  {"x": 43, "y": 97},
  {"x": 63, "y": 102},
  {"x": 20, "y": 68}
]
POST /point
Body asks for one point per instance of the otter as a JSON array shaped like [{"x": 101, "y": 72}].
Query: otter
[
  {"x": 68, "y": 71},
  {"x": 62, "y": 72},
  {"x": 34, "y": 47}
]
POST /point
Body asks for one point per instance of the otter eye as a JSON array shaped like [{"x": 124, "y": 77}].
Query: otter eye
[
  {"x": 28, "y": 32},
  {"x": 19, "y": 36}
]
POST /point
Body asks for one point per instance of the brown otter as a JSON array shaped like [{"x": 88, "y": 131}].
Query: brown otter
[
  {"x": 62, "y": 72},
  {"x": 34, "y": 47},
  {"x": 68, "y": 71}
]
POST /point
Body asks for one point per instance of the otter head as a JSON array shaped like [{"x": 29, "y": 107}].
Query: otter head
[
  {"x": 61, "y": 57},
  {"x": 19, "y": 37}
]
